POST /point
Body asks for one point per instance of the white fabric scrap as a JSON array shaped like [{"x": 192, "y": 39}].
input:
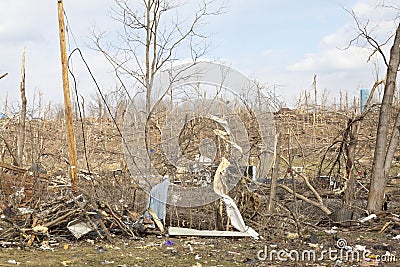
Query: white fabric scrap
[
  {"x": 231, "y": 208},
  {"x": 370, "y": 217}
]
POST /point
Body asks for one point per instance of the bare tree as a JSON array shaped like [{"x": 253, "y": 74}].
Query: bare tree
[
  {"x": 384, "y": 154},
  {"x": 96, "y": 106},
  {"x": 152, "y": 34}
]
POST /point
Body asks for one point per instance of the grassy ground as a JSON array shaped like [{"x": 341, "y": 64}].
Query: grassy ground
[
  {"x": 150, "y": 251},
  {"x": 153, "y": 251}
]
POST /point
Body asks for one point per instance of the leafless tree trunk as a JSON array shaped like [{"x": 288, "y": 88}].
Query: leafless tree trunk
[
  {"x": 6, "y": 106},
  {"x": 383, "y": 155},
  {"x": 314, "y": 109},
  {"x": 22, "y": 116},
  {"x": 9, "y": 149},
  {"x": 96, "y": 106},
  {"x": 275, "y": 175},
  {"x": 352, "y": 137},
  {"x": 394, "y": 141}
]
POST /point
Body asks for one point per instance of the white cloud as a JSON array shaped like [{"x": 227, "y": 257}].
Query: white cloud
[
  {"x": 332, "y": 60},
  {"x": 335, "y": 56},
  {"x": 267, "y": 52},
  {"x": 365, "y": 8}
]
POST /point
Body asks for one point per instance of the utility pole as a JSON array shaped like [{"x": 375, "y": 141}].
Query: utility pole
[{"x": 67, "y": 100}]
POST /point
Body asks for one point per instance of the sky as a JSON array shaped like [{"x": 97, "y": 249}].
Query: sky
[{"x": 281, "y": 44}]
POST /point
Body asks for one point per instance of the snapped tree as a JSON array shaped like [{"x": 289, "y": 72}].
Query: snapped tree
[
  {"x": 384, "y": 153},
  {"x": 22, "y": 117}
]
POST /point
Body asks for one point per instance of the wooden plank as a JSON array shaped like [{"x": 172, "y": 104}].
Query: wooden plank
[
  {"x": 156, "y": 220},
  {"x": 178, "y": 231}
]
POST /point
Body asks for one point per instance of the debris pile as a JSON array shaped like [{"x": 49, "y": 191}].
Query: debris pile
[{"x": 67, "y": 217}]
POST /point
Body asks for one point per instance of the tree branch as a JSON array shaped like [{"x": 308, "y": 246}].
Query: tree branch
[{"x": 3, "y": 75}]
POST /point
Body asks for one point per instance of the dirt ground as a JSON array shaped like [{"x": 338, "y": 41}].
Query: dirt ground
[{"x": 195, "y": 251}]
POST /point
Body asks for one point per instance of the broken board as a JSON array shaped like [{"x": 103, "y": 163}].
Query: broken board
[{"x": 178, "y": 231}]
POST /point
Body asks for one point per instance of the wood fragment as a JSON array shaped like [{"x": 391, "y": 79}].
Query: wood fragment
[
  {"x": 12, "y": 167},
  {"x": 385, "y": 227},
  {"x": 34, "y": 223},
  {"x": 119, "y": 222},
  {"x": 104, "y": 228},
  {"x": 60, "y": 219},
  {"x": 156, "y": 220}
]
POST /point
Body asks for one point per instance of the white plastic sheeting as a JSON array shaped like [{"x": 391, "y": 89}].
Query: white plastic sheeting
[
  {"x": 231, "y": 208},
  {"x": 158, "y": 199}
]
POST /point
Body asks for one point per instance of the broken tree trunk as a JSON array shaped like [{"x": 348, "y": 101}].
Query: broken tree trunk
[
  {"x": 382, "y": 154},
  {"x": 275, "y": 175},
  {"x": 352, "y": 137},
  {"x": 22, "y": 116},
  {"x": 318, "y": 204}
]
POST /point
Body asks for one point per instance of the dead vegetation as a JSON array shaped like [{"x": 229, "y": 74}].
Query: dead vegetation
[
  {"x": 38, "y": 208},
  {"x": 41, "y": 188}
]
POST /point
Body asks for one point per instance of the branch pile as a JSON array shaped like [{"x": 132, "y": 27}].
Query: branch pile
[{"x": 66, "y": 217}]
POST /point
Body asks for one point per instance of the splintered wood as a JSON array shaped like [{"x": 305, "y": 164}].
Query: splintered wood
[{"x": 56, "y": 218}]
